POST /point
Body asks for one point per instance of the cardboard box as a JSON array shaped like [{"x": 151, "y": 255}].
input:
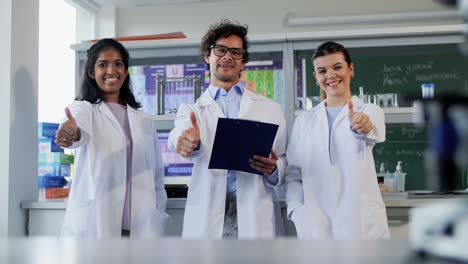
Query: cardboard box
[
  {"x": 55, "y": 157},
  {"x": 50, "y": 182},
  {"x": 57, "y": 193},
  {"x": 54, "y": 169},
  {"x": 47, "y": 129},
  {"x": 46, "y": 144},
  {"x": 53, "y": 194}
]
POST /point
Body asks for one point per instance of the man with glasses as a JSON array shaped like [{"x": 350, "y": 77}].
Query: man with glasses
[{"x": 225, "y": 203}]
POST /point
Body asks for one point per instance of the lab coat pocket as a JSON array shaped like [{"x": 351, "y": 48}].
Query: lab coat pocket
[
  {"x": 353, "y": 145},
  {"x": 193, "y": 223},
  {"x": 373, "y": 219},
  {"x": 80, "y": 219},
  {"x": 146, "y": 173},
  {"x": 256, "y": 220},
  {"x": 154, "y": 225},
  {"x": 164, "y": 220},
  {"x": 298, "y": 219}
]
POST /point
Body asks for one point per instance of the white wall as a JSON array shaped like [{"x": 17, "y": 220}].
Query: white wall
[
  {"x": 18, "y": 113},
  {"x": 262, "y": 16},
  {"x": 106, "y": 25},
  {"x": 56, "y": 60},
  {"x": 84, "y": 27},
  {"x": 5, "y": 83}
]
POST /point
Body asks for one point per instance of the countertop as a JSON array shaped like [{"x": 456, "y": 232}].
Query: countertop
[
  {"x": 390, "y": 200},
  {"x": 54, "y": 250}
]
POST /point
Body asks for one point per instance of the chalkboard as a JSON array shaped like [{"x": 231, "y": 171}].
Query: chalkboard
[
  {"x": 408, "y": 144},
  {"x": 402, "y": 70},
  {"x": 405, "y": 74}
]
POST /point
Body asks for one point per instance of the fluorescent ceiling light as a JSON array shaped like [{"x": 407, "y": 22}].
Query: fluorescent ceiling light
[{"x": 293, "y": 21}]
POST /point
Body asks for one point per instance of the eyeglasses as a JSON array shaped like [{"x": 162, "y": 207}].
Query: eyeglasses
[{"x": 221, "y": 50}]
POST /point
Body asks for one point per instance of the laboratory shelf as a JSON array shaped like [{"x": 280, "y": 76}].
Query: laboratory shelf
[
  {"x": 164, "y": 123},
  {"x": 393, "y": 115}
]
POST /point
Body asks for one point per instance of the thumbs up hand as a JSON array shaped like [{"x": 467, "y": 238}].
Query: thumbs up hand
[
  {"x": 68, "y": 131},
  {"x": 189, "y": 139},
  {"x": 359, "y": 121}
]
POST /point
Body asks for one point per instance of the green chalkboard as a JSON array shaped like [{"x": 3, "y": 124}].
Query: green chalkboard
[
  {"x": 405, "y": 74},
  {"x": 402, "y": 70},
  {"x": 408, "y": 144}
]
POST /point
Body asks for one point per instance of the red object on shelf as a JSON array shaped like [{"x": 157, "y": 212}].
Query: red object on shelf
[
  {"x": 56, "y": 193},
  {"x": 173, "y": 35}
]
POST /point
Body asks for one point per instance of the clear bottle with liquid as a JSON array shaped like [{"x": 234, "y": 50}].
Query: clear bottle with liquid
[
  {"x": 382, "y": 168},
  {"x": 400, "y": 178}
]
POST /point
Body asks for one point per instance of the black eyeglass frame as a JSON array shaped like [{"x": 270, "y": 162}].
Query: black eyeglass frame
[{"x": 214, "y": 46}]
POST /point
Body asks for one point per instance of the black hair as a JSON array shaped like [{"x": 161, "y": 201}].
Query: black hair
[
  {"x": 331, "y": 47},
  {"x": 225, "y": 29},
  {"x": 90, "y": 91}
]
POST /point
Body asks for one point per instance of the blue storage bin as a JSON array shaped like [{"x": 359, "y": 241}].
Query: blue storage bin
[
  {"x": 51, "y": 182},
  {"x": 47, "y": 129}
]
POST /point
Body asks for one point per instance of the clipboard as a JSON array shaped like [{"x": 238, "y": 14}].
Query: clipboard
[{"x": 237, "y": 140}]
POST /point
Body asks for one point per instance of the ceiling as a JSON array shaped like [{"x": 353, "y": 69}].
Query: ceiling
[
  {"x": 149, "y": 2},
  {"x": 94, "y": 5}
]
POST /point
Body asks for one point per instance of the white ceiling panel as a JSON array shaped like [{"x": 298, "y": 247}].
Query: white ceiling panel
[{"x": 100, "y": 3}]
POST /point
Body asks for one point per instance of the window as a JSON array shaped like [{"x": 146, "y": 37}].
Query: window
[{"x": 56, "y": 59}]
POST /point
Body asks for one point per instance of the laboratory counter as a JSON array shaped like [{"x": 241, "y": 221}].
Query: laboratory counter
[
  {"x": 46, "y": 218},
  {"x": 54, "y": 250},
  {"x": 390, "y": 200}
]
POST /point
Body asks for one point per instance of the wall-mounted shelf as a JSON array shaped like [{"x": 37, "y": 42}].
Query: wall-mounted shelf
[
  {"x": 164, "y": 122},
  {"x": 177, "y": 180},
  {"x": 393, "y": 115}
]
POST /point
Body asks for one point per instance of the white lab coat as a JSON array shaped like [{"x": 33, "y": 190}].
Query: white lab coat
[
  {"x": 332, "y": 191},
  {"x": 204, "y": 212},
  {"x": 96, "y": 202}
]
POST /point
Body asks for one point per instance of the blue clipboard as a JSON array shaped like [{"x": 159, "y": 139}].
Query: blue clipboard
[{"x": 237, "y": 140}]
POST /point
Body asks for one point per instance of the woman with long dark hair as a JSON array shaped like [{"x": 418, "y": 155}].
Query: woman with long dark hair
[{"x": 118, "y": 187}]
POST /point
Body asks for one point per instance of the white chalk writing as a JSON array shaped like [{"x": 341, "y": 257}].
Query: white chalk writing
[{"x": 429, "y": 77}]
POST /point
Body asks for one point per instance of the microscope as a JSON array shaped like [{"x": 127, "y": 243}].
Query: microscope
[{"x": 441, "y": 229}]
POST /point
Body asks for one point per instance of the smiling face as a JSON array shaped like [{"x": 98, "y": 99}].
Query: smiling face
[
  {"x": 225, "y": 70},
  {"x": 333, "y": 74},
  {"x": 109, "y": 73}
]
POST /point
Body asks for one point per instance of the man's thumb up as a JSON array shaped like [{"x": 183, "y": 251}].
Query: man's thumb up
[{"x": 193, "y": 120}]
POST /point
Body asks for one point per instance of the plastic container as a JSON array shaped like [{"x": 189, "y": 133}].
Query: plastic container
[
  {"x": 427, "y": 90},
  {"x": 389, "y": 182},
  {"x": 386, "y": 180},
  {"x": 400, "y": 178}
]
